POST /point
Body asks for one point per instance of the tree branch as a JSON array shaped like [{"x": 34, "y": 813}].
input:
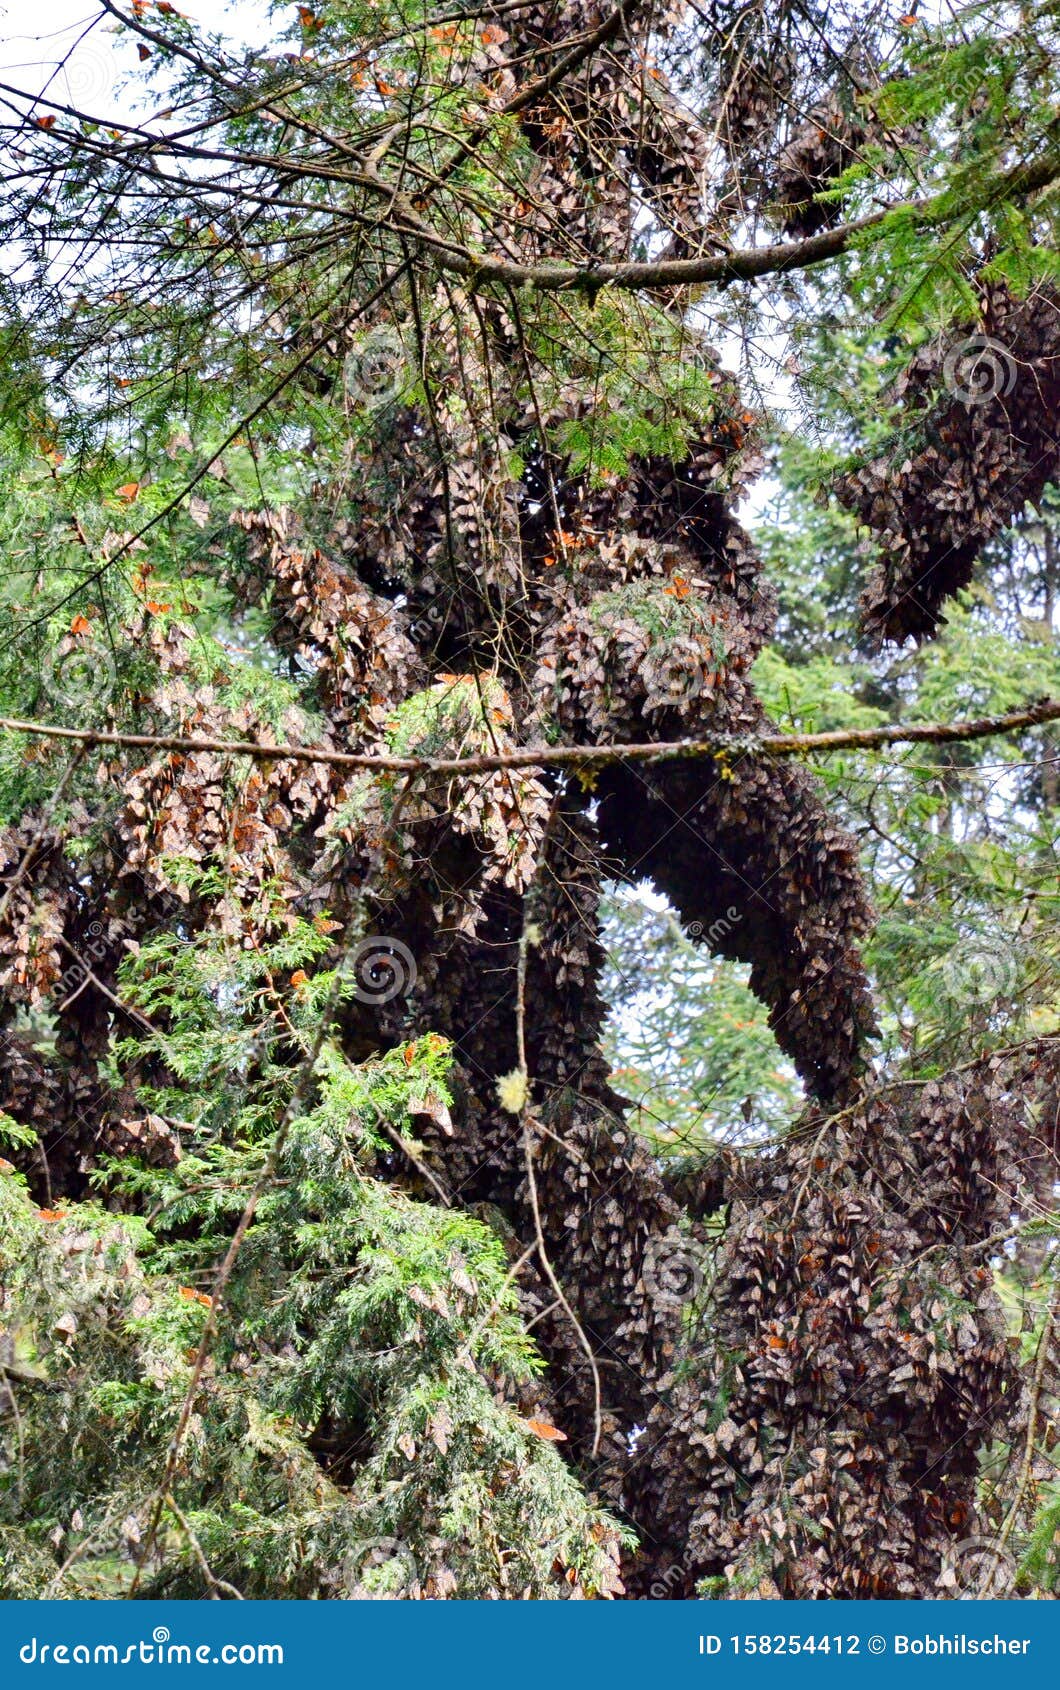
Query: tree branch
[
  {"x": 745, "y": 264},
  {"x": 721, "y": 746},
  {"x": 479, "y": 271}
]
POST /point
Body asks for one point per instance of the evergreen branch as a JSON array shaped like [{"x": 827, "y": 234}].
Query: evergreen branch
[{"x": 267, "y": 1176}]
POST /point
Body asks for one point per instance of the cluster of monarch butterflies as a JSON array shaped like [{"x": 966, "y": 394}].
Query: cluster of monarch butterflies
[{"x": 617, "y": 607}]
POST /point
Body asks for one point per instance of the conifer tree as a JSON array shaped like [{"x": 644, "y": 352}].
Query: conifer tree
[{"x": 383, "y": 412}]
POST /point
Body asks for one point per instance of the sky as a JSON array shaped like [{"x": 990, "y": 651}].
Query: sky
[{"x": 37, "y": 35}]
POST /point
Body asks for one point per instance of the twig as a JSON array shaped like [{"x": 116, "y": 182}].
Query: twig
[
  {"x": 531, "y": 1182},
  {"x": 1034, "y": 1398},
  {"x": 93, "y": 979},
  {"x": 406, "y": 1150},
  {"x": 197, "y": 1550}
]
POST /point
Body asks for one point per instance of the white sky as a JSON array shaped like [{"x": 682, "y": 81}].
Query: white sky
[{"x": 37, "y": 35}]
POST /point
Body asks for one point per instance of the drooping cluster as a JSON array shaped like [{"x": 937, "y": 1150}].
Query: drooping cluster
[
  {"x": 987, "y": 398},
  {"x": 859, "y": 1356}
]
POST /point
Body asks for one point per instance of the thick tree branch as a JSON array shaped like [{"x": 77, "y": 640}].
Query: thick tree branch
[
  {"x": 741, "y": 264},
  {"x": 480, "y": 271},
  {"x": 720, "y": 746}
]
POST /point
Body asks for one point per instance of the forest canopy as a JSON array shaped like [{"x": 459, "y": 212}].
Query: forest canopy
[{"x": 529, "y": 699}]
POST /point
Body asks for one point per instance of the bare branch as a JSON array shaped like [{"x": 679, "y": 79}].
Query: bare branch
[{"x": 566, "y": 756}]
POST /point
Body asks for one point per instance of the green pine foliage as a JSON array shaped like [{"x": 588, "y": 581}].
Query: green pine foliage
[{"x": 351, "y": 1304}]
